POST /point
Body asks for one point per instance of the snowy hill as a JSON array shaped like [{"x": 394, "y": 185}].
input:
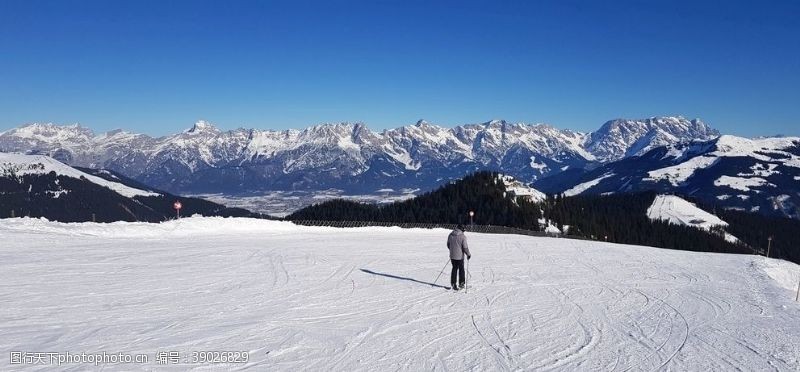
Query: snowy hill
[
  {"x": 346, "y": 156},
  {"x": 17, "y": 165},
  {"x": 305, "y": 298},
  {"x": 754, "y": 175},
  {"x": 40, "y": 186},
  {"x": 676, "y": 210}
]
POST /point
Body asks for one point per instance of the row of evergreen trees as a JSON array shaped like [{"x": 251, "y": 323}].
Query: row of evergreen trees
[
  {"x": 622, "y": 218},
  {"x": 483, "y": 193},
  {"x": 619, "y": 218},
  {"x": 755, "y": 231}
]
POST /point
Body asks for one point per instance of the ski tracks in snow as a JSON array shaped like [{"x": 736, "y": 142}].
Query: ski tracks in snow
[{"x": 363, "y": 299}]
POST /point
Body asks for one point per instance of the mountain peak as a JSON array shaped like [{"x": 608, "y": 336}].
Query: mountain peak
[
  {"x": 52, "y": 131},
  {"x": 116, "y": 132},
  {"x": 668, "y": 118},
  {"x": 627, "y": 137},
  {"x": 74, "y": 126},
  {"x": 336, "y": 128},
  {"x": 495, "y": 122},
  {"x": 202, "y": 126}
]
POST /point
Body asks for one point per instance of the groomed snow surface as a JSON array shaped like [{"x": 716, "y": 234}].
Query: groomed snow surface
[{"x": 311, "y": 298}]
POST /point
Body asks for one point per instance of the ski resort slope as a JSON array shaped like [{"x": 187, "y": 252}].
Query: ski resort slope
[
  {"x": 313, "y": 298},
  {"x": 677, "y": 210}
]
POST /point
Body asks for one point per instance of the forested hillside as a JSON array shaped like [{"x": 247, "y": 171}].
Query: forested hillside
[
  {"x": 619, "y": 218},
  {"x": 755, "y": 230},
  {"x": 623, "y": 219},
  {"x": 482, "y": 192}
]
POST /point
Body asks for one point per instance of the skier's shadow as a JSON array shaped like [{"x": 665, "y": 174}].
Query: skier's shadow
[{"x": 402, "y": 278}]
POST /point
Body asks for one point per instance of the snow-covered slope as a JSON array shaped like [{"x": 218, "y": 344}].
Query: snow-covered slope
[
  {"x": 19, "y": 165},
  {"x": 755, "y": 175},
  {"x": 581, "y": 187},
  {"x": 305, "y": 298},
  {"x": 204, "y": 159},
  {"x": 768, "y": 152},
  {"x": 676, "y": 210}
]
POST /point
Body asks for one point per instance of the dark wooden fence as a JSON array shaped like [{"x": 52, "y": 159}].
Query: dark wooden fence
[{"x": 485, "y": 229}]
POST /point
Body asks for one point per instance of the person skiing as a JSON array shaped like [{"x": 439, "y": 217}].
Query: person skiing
[{"x": 457, "y": 245}]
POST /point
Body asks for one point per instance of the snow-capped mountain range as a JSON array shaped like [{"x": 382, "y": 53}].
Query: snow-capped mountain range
[{"x": 347, "y": 156}]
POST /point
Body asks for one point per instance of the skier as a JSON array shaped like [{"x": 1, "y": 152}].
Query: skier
[{"x": 457, "y": 244}]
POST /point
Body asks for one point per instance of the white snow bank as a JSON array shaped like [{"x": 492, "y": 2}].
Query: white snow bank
[{"x": 20, "y": 164}]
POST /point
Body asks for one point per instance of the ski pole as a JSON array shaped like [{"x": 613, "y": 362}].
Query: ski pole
[
  {"x": 440, "y": 273},
  {"x": 466, "y": 279}
]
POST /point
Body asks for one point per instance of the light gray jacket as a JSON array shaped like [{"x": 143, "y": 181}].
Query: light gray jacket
[{"x": 457, "y": 244}]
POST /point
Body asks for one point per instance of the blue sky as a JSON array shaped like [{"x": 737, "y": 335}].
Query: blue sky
[{"x": 157, "y": 66}]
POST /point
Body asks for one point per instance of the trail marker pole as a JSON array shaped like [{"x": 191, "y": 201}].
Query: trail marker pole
[
  {"x": 471, "y": 220},
  {"x": 769, "y": 245},
  {"x": 177, "y": 205}
]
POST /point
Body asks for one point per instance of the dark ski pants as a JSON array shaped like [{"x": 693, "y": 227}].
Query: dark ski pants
[{"x": 458, "y": 272}]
